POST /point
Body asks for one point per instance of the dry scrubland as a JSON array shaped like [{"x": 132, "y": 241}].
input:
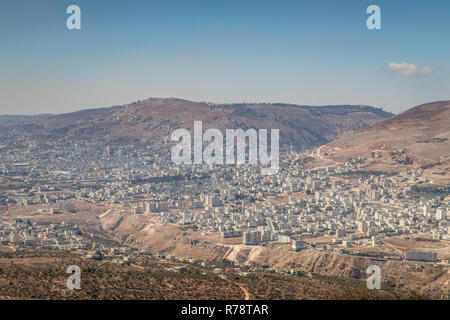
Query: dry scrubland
[{"x": 41, "y": 275}]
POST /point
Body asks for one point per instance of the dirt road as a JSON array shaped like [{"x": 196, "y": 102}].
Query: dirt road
[{"x": 246, "y": 293}]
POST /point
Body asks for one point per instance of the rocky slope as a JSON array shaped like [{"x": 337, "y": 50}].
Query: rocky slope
[
  {"x": 432, "y": 280},
  {"x": 418, "y": 138}
]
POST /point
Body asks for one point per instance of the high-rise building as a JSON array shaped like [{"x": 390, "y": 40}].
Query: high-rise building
[
  {"x": 298, "y": 245},
  {"x": 425, "y": 256}
]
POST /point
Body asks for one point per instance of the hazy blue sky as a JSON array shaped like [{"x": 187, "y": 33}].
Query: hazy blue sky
[{"x": 305, "y": 52}]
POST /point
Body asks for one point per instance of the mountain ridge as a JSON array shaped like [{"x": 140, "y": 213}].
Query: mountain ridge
[
  {"x": 416, "y": 138},
  {"x": 302, "y": 127}
]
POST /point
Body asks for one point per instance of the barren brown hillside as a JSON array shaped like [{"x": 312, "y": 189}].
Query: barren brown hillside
[
  {"x": 417, "y": 138},
  {"x": 302, "y": 127}
]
